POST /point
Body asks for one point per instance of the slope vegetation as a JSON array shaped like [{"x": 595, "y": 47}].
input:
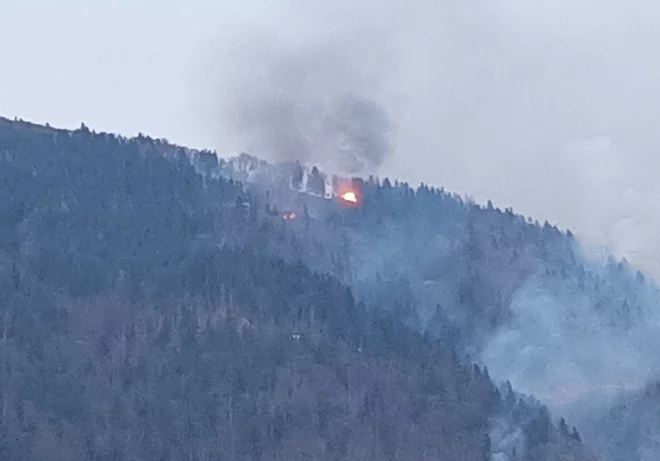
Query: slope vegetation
[{"x": 150, "y": 312}]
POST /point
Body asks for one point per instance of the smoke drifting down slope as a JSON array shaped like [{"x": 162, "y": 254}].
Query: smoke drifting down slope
[{"x": 313, "y": 104}]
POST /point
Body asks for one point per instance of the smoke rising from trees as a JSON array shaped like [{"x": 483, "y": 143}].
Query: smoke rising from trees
[{"x": 312, "y": 103}]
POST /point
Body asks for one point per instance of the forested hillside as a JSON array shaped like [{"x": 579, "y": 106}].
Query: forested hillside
[
  {"x": 628, "y": 428},
  {"x": 440, "y": 251},
  {"x": 521, "y": 297},
  {"x": 152, "y": 312}
]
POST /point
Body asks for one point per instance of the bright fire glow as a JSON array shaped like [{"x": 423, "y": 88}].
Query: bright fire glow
[{"x": 350, "y": 196}]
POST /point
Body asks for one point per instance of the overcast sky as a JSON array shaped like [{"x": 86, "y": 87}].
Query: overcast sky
[{"x": 548, "y": 106}]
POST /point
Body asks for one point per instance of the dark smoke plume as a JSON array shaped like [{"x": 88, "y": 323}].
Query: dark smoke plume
[{"x": 314, "y": 105}]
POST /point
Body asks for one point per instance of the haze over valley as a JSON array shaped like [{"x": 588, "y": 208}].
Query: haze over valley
[{"x": 329, "y": 231}]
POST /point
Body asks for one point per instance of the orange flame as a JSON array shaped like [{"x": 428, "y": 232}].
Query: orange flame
[
  {"x": 347, "y": 191},
  {"x": 349, "y": 196}
]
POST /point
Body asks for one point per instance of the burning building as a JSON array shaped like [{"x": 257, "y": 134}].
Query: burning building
[{"x": 315, "y": 182}]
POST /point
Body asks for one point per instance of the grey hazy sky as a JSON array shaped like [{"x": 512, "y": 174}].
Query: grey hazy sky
[{"x": 549, "y": 106}]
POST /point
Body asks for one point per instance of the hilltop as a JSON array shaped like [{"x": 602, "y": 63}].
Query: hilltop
[{"x": 156, "y": 305}]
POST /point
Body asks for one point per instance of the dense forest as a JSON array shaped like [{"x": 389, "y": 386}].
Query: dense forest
[
  {"x": 523, "y": 298},
  {"x": 628, "y": 427},
  {"x": 434, "y": 250},
  {"x": 155, "y": 306}
]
